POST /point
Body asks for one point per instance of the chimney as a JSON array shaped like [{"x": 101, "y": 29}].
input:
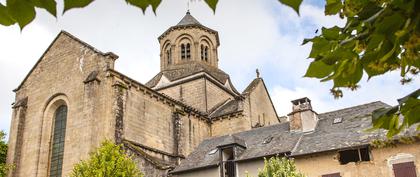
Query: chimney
[{"x": 302, "y": 118}]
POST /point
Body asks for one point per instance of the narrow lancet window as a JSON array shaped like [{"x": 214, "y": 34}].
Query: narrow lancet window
[
  {"x": 202, "y": 52},
  {"x": 188, "y": 51},
  {"x": 183, "y": 51},
  {"x": 206, "y": 54},
  {"x": 168, "y": 56},
  {"x": 58, "y": 138}
]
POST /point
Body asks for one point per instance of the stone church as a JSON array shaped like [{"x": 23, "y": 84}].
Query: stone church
[{"x": 188, "y": 120}]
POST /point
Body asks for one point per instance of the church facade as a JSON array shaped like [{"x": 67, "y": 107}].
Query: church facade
[
  {"x": 188, "y": 120},
  {"x": 73, "y": 99}
]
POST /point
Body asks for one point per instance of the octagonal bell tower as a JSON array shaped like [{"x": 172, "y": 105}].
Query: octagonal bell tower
[{"x": 188, "y": 42}]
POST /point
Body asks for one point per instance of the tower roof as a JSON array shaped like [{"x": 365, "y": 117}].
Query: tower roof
[{"x": 188, "y": 20}]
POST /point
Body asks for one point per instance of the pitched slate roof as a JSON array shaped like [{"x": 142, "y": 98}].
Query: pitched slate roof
[
  {"x": 180, "y": 71},
  {"x": 253, "y": 140},
  {"x": 349, "y": 133},
  {"x": 188, "y": 19},
  {"x": 231, "y": 106},
  {"x": 326, "y": 137}
]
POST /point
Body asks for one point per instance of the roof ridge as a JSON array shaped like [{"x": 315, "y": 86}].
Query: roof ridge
[{"x": 346, "y": 108}]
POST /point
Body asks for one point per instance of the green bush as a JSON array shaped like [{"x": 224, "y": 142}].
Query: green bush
[
  {"x": 109, "y": 160},
  {"x": 279, "y": 167}
]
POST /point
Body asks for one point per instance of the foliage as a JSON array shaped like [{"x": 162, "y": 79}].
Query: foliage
[
  {"x": 4, "y": 168},
  {"x": 279, "y": 167},
  {"x": 23, "y": 12},
  {"x": 108, "y": 160},
  {"x": 389, "y": 118},
  {"x": 393, "y": 142},
  {"x": 379, "y": 36}
]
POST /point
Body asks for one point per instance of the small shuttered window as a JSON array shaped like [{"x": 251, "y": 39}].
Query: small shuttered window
[
  {"x": 407, "y": 169},
  {"x": 57, "y": 148}
]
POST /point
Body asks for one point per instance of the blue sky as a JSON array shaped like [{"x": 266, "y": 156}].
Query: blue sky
[{"x": 259, "y": 34}]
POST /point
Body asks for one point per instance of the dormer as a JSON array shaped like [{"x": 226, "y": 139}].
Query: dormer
[
  {"x": 188, "y": 41},
  {"x": 230, "y": 149}
]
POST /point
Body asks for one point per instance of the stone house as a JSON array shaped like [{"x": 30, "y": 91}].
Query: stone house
[
  {"x": 74, "y": 98},
  {"x": 331, "y": 144}
]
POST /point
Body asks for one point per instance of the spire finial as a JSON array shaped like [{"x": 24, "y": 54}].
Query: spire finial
[
  {"x": 188, "y": 7},
  {"x": 258, "y": 73}
]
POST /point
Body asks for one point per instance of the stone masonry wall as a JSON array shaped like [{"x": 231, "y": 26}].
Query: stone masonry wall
[
  {"x": 215, "y": 95},
  {"x": 161, "y": 127},
  {"x": 191, "y": 93},
  {"x": 260, "y": 109},
  {"x": 230, "y": 125},
  {"x": 60, "y": 73}
]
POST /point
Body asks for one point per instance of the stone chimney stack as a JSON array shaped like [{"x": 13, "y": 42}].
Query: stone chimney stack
[{"x": 302, "y": 118}]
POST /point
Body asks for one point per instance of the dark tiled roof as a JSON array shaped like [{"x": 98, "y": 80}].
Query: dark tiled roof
[
  {"x": 229, "y": 107},
  {"x": 188, "y": 20},
  {"x": 253, "y": 140},
  {"x": 179, "y": 71},
  {"x": 351, "y": 132}
]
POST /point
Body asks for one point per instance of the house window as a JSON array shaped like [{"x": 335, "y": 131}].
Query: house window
[
  {"x": 57, "y": 148},
  {"x": 228, "y": 163},
  {"x": 354, "y": 155},
  {"x": 332, "y": 175},
  {"x": 407, "y": 169}
]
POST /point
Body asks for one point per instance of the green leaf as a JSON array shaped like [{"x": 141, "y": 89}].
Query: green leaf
[
  {"x": 348, "y": 74},
  {"x": 295, "y": 4},
  {"x": 319, "y": 69},
  {"x": 22, "y": 11},
  {"x": 212, "y": 4},
  {"x": 5, "y": 18},
  {"x": 381, "y": 117},
  {"x": 390, "y": 24},
  {"x": 319, "y": 46},
  {"x": 143, "y": 4},
  {"x": 49, "y": 5},
  {"x": 410, "y": 110},
  {"x": 331, "y": 33},
  {"x": 333, "y": 7},
  {"x": 70, "y": 4},
  {"x": 305, "y": 41}
]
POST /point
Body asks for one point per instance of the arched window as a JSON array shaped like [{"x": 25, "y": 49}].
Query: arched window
[
  {"x": 202, "y": 52},
  {"x": 206, "y": 53},
  {"x": 58, "y": 137},
  {"x": 183, "y": 51},
  {"x": 169, "y": 55},
  {"x": 188, "y": 51}
]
